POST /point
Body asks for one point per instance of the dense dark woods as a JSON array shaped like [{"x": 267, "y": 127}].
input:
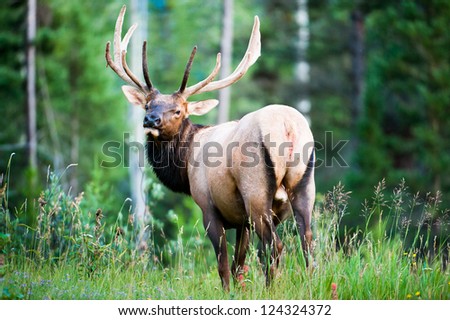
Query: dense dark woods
[{"x": 377, "y": 83}]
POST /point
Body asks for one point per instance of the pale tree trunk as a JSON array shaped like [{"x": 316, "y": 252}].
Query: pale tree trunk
[
  {"x": 226, "y": 48},
  {"x": 139, "y": 14},
  {"x": 31, "y": 86},
  {"x": 302, "y": 66}
]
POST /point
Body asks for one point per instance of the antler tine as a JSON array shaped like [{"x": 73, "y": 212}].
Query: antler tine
[
  {"x": 145, "y": 66},
  {"x": 118, "y": 36},
  {"x": 129, "y": 73},
  {"x": 195, "y": 88},
  {"x": 116, "y": 64},
  {"x": 124, "y": 46},
  {"x": 251, "y": 55},
  {"x": 126, "y": 39},
  {"x": 119, "y": 64},
  {"x": 118, "y": 70},
  {"x": 187, "y": 71}
]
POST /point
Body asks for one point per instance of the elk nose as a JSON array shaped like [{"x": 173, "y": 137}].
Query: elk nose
[{"x": 151, "y": 121}]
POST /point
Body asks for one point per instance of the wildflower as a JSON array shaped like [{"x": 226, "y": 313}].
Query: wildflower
[
  {"x": 241, "y": 280},
  {"x": 246, "y": 269},
  {"x": 414, "y": 255},
  {"x": 417, "y": 293},
  {"x": 405, "y": 253},
  {"x": 334, "y": 291},
  {"x": 409, "y": 296}
]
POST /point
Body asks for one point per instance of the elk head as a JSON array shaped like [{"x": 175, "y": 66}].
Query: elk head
[{"x": 166, "y": 112}]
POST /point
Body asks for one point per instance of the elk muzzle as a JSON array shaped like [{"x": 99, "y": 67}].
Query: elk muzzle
[{"x": 152, "y": 120}]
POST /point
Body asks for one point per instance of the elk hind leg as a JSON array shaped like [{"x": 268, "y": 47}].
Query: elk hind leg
[
  {"x": 271, "y": 246},
  {"x": 302, "y": 201}
]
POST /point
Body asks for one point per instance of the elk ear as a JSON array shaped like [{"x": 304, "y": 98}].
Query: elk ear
[
  {"x": 134, "y": 96},
  {"x": 199, "y": 108}
]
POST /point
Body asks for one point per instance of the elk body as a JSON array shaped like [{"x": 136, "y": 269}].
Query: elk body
[{"x": 249, "y": 174}]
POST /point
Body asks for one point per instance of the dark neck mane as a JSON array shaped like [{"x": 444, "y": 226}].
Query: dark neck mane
[{"x": 169, "y": 159}]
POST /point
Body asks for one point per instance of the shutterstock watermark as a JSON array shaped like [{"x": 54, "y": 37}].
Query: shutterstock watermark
[{"x": 214, "y": 154}]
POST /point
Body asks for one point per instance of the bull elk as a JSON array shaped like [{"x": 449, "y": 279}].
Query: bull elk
[{"x": 263, "y": 168}]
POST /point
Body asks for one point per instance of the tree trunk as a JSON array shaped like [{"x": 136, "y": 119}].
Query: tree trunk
[
  {"x": 226, "y": 45},
  {"x": 31, "y": 86},
  {"x": 139, "y": 14},
  {"x": 302, "y": 66}
]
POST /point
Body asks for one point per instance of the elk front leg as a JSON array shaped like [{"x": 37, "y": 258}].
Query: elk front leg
[{"x": 216, "y": 233}]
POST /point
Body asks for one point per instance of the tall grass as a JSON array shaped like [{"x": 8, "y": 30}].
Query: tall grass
[{"x": 72, "y": 253}]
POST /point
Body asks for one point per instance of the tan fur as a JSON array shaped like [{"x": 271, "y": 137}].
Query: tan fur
[{"x": 223, "y": 184}]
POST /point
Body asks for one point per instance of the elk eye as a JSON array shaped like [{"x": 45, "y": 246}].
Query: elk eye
[{"x": 178, "y": 112}]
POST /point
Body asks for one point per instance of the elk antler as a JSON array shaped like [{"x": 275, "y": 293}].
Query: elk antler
[
  {"x": 187, "y": 71},
  {"x": 251, "y": 55},
  {"x": 144, "y": 66},
  {"x": 119, "y": 64}
]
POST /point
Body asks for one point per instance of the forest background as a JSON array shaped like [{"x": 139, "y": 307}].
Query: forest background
[{"x": 373, "y": 78}]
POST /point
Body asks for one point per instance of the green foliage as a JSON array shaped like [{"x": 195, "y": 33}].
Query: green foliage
[
  {"x": 274, "y": 72},
  {"x": 12, "y": 88},
  {"x": 12, "y": 81},
  {"x": 66, "y": 230},
  {"x": 330, "y": 87},
  {"x": 404, "y": 131},
  {"x": 87, "y": 109},
  {"x": 401, "y": 131},
  {"x": 78, "y": 107}
]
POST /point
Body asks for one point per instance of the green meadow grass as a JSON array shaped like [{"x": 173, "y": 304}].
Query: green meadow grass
[
  {"x": 384, "y": 273},
  {"x": 73, "y": 254}
]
